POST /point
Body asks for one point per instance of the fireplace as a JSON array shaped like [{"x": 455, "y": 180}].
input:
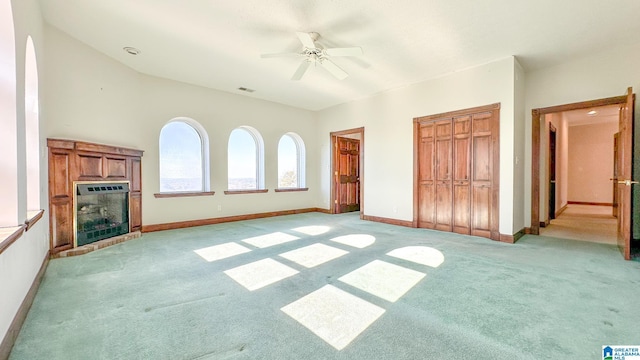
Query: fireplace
[{"x": 101, "y": 211}]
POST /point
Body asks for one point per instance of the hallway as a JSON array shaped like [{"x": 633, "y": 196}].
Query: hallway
[{"x": 591, "y": 223}]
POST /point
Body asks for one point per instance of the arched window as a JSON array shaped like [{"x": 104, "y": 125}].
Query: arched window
[
  {"x": 32, "y": 127},
  {"x": 8, "y": 122},
  {"x": 245, "y": 159},
  {"x": 291, "y": 161},
  {"x": 184, "y": 157}
]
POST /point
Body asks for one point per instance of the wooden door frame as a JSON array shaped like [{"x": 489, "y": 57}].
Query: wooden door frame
[
  {"x": 536, "y": 127},
  {"x": 495, "y": 208},
  {"x": 334, "y": 141},
  {"x": 552, "y": 129}
]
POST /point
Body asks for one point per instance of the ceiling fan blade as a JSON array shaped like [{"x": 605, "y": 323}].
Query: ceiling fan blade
[
  {"x": 301, "y": 70},
  {"x": 334, "y": 69},
  {"x": 306, "y": 40},
  {"x": 350, "y": 51},
  {"x": 289, "y": 54}
]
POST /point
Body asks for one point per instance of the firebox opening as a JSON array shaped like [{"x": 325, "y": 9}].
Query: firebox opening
[{"x": 102, "y": 211}]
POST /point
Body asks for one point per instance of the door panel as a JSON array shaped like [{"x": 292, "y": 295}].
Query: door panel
[
  {"x": 461, "y": 178},
  {"x": 348, "y": 175},
  {"x": 443, "y": 157},
  {"x": 616, "y": 160},
  {"x": 482, "y": 158},
  {"x": 625, "y": 175},
  {"x": 481, "y": 224},
  {"x": 426, "y": 183}
]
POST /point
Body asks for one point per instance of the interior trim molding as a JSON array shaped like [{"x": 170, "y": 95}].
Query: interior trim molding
[
  {"x": 537, "y": 119},
  {"x": 237, "y": 192},
  {"x": 511, "y": 239},
  {"x": 14, "y": 329},
  {"x": 405, "y": 223},
  {"x": 33, "y": 220},
  {"x": 15, "y": 235},
  {"x": 183, "y": 194},
  {"x": 212, "y": 221},
  {"x": 561, "y": 210},
  {"x": 589, "y": 203}
]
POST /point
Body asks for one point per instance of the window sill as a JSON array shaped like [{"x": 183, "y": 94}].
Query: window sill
[
  {"x": 9, "y": 235},
  {"x": 32, "y": 218},
  {"x": 237, "y": 192},
  {"x": 291, "y": 189},
  {"x": 183, "y": 194}
]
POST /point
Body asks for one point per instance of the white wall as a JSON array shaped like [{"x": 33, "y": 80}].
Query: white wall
[
  {"x": 601, "y": 75},
  {"x": 591, "y": 162},
  {"x": 94, "y": 98},
  {"x": 518, "y": 148},
  {"x": 20, "y": 263},
  {"x": 388, "y": 120}
]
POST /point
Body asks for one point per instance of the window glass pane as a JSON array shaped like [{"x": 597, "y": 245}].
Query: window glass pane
[
  {"x": 32, "y": 127},
  {"x": 287, "y": 163},
  {"x": 180, "y": 158},
  {"x": 242, "y": 161}
]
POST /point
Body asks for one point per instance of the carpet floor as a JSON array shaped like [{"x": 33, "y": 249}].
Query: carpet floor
[
  {"x": 318, "y": 286},
  {"x": 593, "y": 223}
]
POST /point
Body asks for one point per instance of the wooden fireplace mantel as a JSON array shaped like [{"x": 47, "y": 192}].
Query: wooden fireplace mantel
[{"x": 71, "y": 161}]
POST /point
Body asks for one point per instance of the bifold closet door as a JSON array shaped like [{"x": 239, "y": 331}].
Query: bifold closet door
[
  {"x": 456, "y": 182},
  {"x": 482, "y": 182},
  {"x": 426, "y": 182},
  {"x": 443, "y": 176},
  {"x": 461, "y": 178}
]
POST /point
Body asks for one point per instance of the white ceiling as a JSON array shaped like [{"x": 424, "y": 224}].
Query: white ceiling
[
  {"x": 604, "y": 114},
  {"x": 217, "y": 43}
]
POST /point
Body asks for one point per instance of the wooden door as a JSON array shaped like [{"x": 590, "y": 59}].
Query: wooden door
[
  {"x": 347, "y": 176},
  {"x": 456, "y": 171},
  {"x": 552, "y": 172},
  {"x": 461, "y": 178},
  {"x": 625, "y": 180},
  {"x": 443, "y": 179},
  {"x": 426, "y": 177},
  {"x": 616, "y": 160},
  {"x": 482, "y": 181}
]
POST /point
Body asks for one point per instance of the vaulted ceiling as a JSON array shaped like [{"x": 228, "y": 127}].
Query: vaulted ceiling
[{"x": 217, "y": 43}]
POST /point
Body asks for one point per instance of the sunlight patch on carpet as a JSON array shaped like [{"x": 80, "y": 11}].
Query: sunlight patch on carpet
[
  {"x": 223, "y": 251},
  {"x": 382, "y": 279},
  {"x": 359, "y": 241},
  {"x": 420, "y": 255},
  {"x": 261, "y": 273},
  {"x": 313, "y": 255},
  {"x": 334, "y": 315},
  {"x": 312, "y": 230},
  {"x": 264, "y": 241}
]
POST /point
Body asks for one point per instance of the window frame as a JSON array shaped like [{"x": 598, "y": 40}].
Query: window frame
[
  {"x": 300, "y": 164},
  {"x": 205, "y": 188},
  {"x": 259, "y": 142}
]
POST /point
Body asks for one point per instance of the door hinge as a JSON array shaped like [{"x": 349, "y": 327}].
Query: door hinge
[{"x": 335, "y": 201}]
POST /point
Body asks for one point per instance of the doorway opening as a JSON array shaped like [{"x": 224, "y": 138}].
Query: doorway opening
[
  {"x": 347, "y": 171},
  {"x": 581, "y": 171}
]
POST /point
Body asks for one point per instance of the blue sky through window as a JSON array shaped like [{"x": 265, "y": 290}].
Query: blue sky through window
[{"x": 180, "y": 158}]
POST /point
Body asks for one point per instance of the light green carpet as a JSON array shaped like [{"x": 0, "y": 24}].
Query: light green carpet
[{"x": 155, "y": 298}]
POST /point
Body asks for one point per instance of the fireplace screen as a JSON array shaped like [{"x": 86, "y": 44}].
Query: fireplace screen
[{"x": 102, "y": 211}]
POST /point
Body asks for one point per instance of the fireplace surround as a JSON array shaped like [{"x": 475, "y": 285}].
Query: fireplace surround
[{"x": 78, "y": 216}]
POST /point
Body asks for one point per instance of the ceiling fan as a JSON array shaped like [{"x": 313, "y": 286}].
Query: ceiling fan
[{"x": 313, "y": 53}]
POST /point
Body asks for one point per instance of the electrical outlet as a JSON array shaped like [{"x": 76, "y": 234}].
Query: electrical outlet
[{"x": 219, "y": 207}]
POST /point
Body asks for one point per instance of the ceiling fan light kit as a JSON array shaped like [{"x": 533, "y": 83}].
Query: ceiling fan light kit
[{"x": 313, "y": 53}]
